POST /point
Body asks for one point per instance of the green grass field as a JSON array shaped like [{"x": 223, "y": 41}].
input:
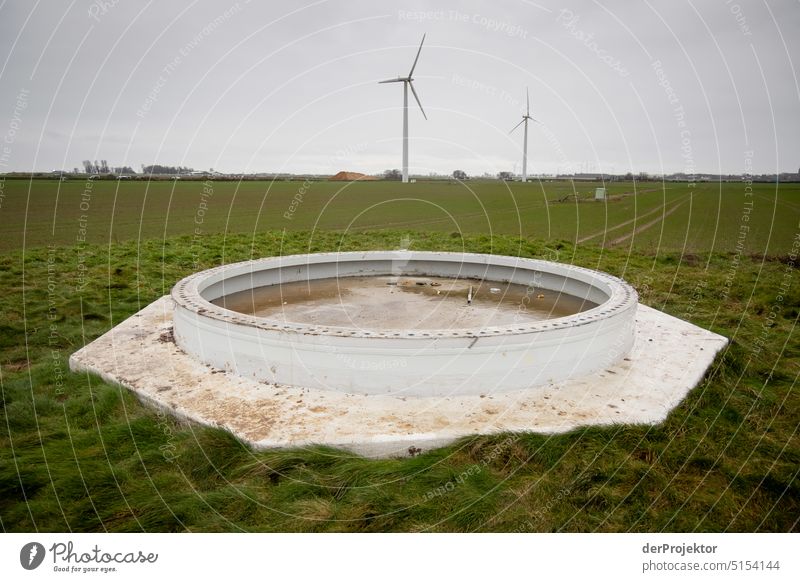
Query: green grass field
[
  {"x": 646, "y": 216},
  {"x": 77, "y": 454}
]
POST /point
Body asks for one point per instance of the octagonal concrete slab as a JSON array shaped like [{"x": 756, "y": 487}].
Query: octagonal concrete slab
[{"x": 669, "y": 358}]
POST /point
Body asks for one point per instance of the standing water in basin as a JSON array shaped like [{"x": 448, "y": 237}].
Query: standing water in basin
[{"x": 405, "y": 302}]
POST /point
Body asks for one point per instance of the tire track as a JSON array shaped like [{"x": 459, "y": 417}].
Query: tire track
[
  {"x": 644, "y": 227},
  {"x": 632, "y": 220}
]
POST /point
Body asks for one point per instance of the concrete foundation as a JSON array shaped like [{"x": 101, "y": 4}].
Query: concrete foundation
[{"x": 668, "y": 357}]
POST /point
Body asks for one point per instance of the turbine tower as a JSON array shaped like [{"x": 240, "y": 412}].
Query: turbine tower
[
  {"x": 525, "y": 119},
  {"x": 408, "y": 82}
]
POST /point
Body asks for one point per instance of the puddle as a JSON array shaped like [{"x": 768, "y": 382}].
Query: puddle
[{"x": 387, "y": 302}]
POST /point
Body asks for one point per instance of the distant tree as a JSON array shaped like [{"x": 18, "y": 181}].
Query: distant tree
[
  {"x": 460, "y": 175},
  {"x": 122, "y": 170},
  {"x": 169, "y": 170},
  {"x": 87, "y": 166},
  {"x": 393, "y": 175},
  {"x": 505, "y": 176}
]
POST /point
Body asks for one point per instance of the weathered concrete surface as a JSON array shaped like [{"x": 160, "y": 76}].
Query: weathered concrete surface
[{"x": 669, "y": 358}]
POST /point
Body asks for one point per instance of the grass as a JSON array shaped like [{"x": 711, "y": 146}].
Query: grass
[
  {"x": 647, "y": 216},
  {"x": 77, "y": 454}
]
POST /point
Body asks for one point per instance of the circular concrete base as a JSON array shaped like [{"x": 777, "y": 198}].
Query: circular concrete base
[{"x": 406, "y": 362}]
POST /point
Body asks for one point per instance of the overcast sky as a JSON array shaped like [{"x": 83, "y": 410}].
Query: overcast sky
[{"x": 287, "y": 86}]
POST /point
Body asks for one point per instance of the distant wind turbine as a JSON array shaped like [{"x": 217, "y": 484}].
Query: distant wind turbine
[
  {"x": 525, "y": 119},
  {"x": 408, "y": 82}
]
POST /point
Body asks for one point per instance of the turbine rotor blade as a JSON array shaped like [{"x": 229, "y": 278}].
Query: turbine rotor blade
[
  {"x": 397, "y": 80},
  {"x": 410, "y": 84},
  {"x": 417, "y": 58},
  {"x": 516, "y": 126},
  {"x": 528, "y": 102}
]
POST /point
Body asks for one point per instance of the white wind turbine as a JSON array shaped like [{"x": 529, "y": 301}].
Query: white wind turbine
[
  {"x": 525, "y": 119},
  {"x": 408, "y": 82}
]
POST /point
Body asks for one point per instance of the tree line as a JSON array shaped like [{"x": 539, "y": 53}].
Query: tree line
[{"x": 102, "y": 167}]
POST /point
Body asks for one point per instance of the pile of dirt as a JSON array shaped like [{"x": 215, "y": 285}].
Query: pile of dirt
[{"x": 351, "y": 176}]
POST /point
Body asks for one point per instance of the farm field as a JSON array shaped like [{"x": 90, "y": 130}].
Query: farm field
[
  {"x": 78, "y": 454},
  {"x": 82, "y": 455},
  {"x": 648, "y": 216}
]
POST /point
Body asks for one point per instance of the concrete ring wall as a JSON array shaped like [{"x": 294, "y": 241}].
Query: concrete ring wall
[{"x": 406, "y": 362}]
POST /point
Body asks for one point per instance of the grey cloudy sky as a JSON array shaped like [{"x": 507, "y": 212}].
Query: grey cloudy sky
[{"x": 657, "y": 86}]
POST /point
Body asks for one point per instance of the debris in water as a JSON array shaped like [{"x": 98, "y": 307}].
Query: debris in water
[
  {"x": 540, "y": 296},
  {"x": 469, "y": 296},
  {"x": 494, "y": 290}
]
